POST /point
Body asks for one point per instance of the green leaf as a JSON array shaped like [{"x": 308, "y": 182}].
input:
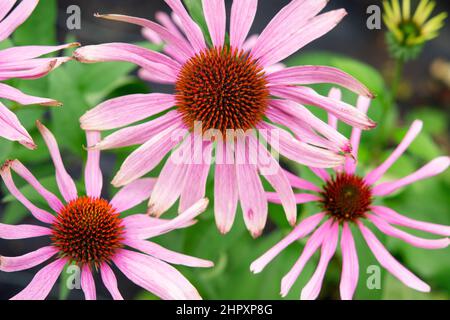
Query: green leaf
[{"x": 195, "y": 9}]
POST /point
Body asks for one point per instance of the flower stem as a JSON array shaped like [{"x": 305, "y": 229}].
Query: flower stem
[{"x": 398, "y": 73}]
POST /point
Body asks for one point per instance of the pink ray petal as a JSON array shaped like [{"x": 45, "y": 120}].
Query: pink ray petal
[
  {"x": 225, "y": 196},
  {"x": 350, "y": 265},
  {"x": 147, "y": 157},
  {"x": 312, "y": 288},
  {"x": 88, "y": 284},
  {"x": 42, "y": 283},
  {"x": 393, "y": 217},
  {"x": 110, "y": 281},
  {"x": 11, "y": 129},
  {"x": 167, "y": 22},
  {"x": 341, "y": 110},
  {"x": 155, "y": 276},
  {"x": 16, "y": 17},
  {"x": 317, "y": 74},
  {"x": 30, "y": 69},
  {"x": 389, "y": 262},
  {"x": 31, "y": 52},
  {"x": 93, "y": 177},
  {"x": 300, "y": 183},
  {"x": 65, "y": 182},
  {"x": 301, "y": 230},
  {"x": 38, "y": 213},
  {"x": 412, "y": 133},
  {"x": 13, "y": 94},
  {"x": 190, "y": 28},
  {"x": 192, "y": 192},
  {"x": 5, "y": 7},
  {"x": 159, "y": 252},
  {"x": 431, "y": 169},
  {"x": 122, "y": 111},
  {"x": 52, "y": 200},
  {"x": 27, "y": 261},
  {"x": 133, "y": 194},
  {"x": 216, "y": 19},
  {"x": 335, "y": 94},
  {"x": 284, "y": 26},
  {"x": 242, "y": 16},
  {"x": 389, "y": 230},
  {"x": 300, "y": 198},
  {"x": 23, "y": 231},
  {"x": 314, "y": 242}
]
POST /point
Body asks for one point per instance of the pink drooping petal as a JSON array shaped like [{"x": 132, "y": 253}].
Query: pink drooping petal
[
  {"x": 350, "y": 163},
  {"x": 159, "y": 252},
  {"x": 10, "y": 93},
  {"x": 11, "y": 129},
  {"x": 169, "y": 22},
  {"x": 5, "y": 7},
  {"x": 431, "y": 169},
  {"x": 31, "y": 52},
  {"x": 300, "y": 183},
  {"x": 16, "y": 17},
  {"x": 87, "y": 283},
  {"x": 190, "y": 28},
  {"x": 312, "y": 288},
  {"x": 317, "y": 74},
  {"x": 335, "y": 94},
  {"x": 147, "y": 157},
  {"x": 122, "y": 111},
  {"x": 341, "y": 110},
  {"x": 251, "y": 194},
  {"x": 225, "y": 196},
  {"x": 172, "y": 179},
  {"x": 299, "y": 151},
  {"x": 350, "y": 265},
  {"x": 150, "y": 76},
  {"x": 389, "y": 262},
  {"x": 155, "y": 276},
  {"x": 314, "y": 242},
  {"x": 182, "y": 45},
  {"x": 216, "y": 19},
  {"x": 242, "y": 15},
  {"x": 321, "y": 173},
  {"x": 298, "y": 38},
  {"x": 300, "y": 198},
  {"x": 42, "y": 283},
  {"x": 139, "y": 134},
  {"x": 141, "y": 226},
  {"x": 27, "y": 261},
  {"x": 285, "y": 25},
  {"x": 250, "y": 43},
  {"x": 117, "y": 52},
  {"x": 133, "y": 194},
  {"x": 274, "y": 174},
  {"x": 64, "y": 180},
  {"x": 301, "y": 230},
  {"x": 138, "y": 227},
  {"x": 110, "y": 281},
  {"x": 93, "y": 177},
  {"x": 303, "y": 115},
  {"x": 23, "y": 231},
  {"x": 38, "y": 213},
  {"x": 30, "y": 69},
  {"x": 412, "y": 133},
  {"x": 23, "y": 172},
  {"x": 192, "y": 192},
  {"x": 391, "y": 231},
  {"x": 151, "y": 36},
  {"x": 393, "y": 217}
]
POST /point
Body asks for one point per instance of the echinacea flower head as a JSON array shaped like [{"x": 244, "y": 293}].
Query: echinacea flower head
[
  {"x": 90, "y": 232},
  {"x": 408, "y": 31},
  {"x": 350, "y": 199},
  {"x": 220, "y": 91},
  {"x": 22, "y": 63}
]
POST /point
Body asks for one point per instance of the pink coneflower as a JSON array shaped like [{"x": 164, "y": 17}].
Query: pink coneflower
[
  {"x": 88, "y": 231},
  {"x": 225, "y": 88},
  {"x": 349, "y": 199},
  {"x": 22, "y": 63}
]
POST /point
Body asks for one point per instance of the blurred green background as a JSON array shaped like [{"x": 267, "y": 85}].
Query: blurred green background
[{"x": 80, "y": 87}]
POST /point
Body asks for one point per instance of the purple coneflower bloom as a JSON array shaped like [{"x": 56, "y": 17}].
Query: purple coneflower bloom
[
  {"x": 347, "y": 199},
  {"x": 22, "y": 63},
  {"x": 225, "y": 87},
  {"x": 88, "y": 231}
]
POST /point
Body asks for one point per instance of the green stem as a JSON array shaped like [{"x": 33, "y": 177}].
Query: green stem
[{"x": 399, "y": 65}]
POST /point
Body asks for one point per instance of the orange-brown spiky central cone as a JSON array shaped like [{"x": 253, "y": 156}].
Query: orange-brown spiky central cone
[
  {"x": 346, "y": 197},
  {"x": 222, "y": 89},
  {"x": 88, "y": 231}
]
